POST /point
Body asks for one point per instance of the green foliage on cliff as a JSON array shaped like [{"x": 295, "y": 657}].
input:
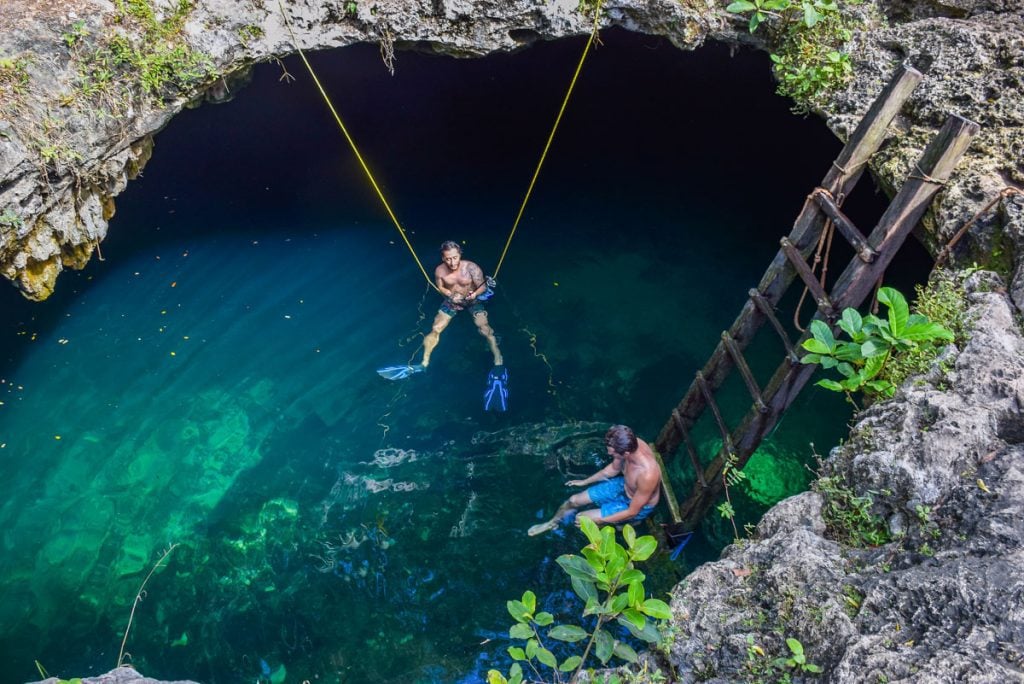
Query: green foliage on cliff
[
  {"x": 14, "y": 81},
  {"x": 807, "y": 39},
  {"x": 144, "y": 53}
]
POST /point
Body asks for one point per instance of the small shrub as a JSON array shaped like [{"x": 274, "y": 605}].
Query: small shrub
[{"x": 848, "y": 517}]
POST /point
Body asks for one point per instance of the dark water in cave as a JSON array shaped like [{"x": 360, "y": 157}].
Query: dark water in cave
[{"x": 211, "y": 383}]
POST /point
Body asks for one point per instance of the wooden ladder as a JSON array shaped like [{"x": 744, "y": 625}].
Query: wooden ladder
[{"x": 872, "y": 255}]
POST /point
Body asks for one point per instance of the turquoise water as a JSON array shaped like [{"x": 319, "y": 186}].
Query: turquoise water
[{"x": 211, "y": 383}]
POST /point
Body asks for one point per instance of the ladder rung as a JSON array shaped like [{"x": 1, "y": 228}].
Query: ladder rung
[
  {"x": 710, "y": 400},
  {"x": 678, "y": 419},
  {"x": 748, "y": 377},
  {"x": 845, "y": 226},
  {"x": 805, "y": 273},
  {"x": 765, "y": 308}
]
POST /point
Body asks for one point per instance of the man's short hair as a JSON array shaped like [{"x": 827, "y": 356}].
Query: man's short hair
[
  {"x": 450, "y": 244},
  {"x": 621, "y": 439}
]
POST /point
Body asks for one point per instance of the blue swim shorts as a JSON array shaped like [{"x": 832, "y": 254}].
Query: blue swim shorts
[
  {"x": 610, "y": 495},
  {"x": 450, "y": 308}
]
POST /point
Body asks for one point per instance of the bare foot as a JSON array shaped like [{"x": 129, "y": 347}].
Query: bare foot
[{"x": 542, "y": 528}]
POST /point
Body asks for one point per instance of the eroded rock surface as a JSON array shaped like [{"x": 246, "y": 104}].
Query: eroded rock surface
[
  {"x": 65, "y": 154},
  {"x": 942, "y": 602}
]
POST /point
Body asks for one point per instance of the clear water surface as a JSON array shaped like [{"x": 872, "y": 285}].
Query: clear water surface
[{"x": 211, "y": 383}]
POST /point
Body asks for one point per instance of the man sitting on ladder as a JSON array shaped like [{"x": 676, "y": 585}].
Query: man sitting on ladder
[{"x": 461, "y": 282}]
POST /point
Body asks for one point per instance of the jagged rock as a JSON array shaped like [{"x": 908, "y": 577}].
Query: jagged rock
[
  {"x": 121, "y": 675},
  {"x": 65, "y": 157},
  {"x": 942, "y": 603}
]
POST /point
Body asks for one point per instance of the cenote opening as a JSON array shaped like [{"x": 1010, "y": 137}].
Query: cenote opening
[{"x": 211, "y": 383}]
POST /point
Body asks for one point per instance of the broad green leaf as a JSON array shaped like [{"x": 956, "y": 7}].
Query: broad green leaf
[
  {"x": 584, "y": 589},
  {"x": 872, "y": 366},
  {"x": 571, "y": 663},
  {"x": 516, "y": 653},
  {"x": 544, "y": 619},
  {"x": 644, "y": 548},
  {"x": 899, "y": 312},
  {"x": 755, "y": 20},
  {"x": 570, "y": 633},
  {"x": 518, "y": 611},
  {"x": 603, "y": 645},
  {"x": 636, "y": 594},
  {"x": 828, "y": 362},
  {"x": 531, "y": 648},
  {"x": 594, "y": 558},
  {"x": 811, "y": 15},
  {"x": 874, "y": 347},
  {"x": 592, "y": 606},
  {"x": 589, "y": 528},
  {"x": 576, "y": 567},
  {"x": 520, "y": 630},
  {"x": 846, "y": 370},
  {"x": 656, "y": 608},
  {"x": 776, "y": 5},
  {"x": 625, "y": 652},
  {"x": 635, "y": 617},
  {"x": 811, "y": 667},
  {"x": 649, "y": 633},
  {"x": 830, "y": 385},
  {"x": 851, "y": 322},
  {"x": 617, "y": 564},
  {"x": 823, "y": 333},
  {"x": 515, "y": 674},
  {"x": 495, "y": 677},
  {"x": 619, "y": 603},
  {"x": 740, "y": 6},
  {"x": 925, "y": 332},
  {"x": 530, "y": 601},
  {"x": 795, "y": 646},
  {"x": 629, "y": 535},
  {"x": 812, "y": 358},
  {"x": 848, "y": 351},
  {"x": 547, "y": 657},
  {"x": 608, "y": 542},
  {"x": 632, "y": 575},
  {"x": 816, "y": 346}
]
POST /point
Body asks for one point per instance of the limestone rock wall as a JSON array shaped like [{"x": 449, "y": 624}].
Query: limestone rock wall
[{"x": 945, "y": 462}]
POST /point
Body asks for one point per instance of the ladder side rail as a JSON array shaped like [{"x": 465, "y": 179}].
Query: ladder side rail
[
  {"x": 852, "y": 288},
  {"x": 839, "y": 181}
]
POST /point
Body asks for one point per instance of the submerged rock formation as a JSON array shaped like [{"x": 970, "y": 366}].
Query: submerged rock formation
[{"x": 944, "y": 459}]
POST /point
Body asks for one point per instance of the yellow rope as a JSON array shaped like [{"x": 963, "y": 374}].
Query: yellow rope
[
  {"x": 355, "y": 150},
  {"x": 558, "y": 119},
  {"x": 522, "y": 207}
]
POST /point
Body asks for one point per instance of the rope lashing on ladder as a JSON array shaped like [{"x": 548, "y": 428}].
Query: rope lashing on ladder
[{"x": 824, "y": 243}]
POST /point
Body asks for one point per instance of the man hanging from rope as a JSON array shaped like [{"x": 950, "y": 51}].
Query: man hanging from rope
[{"x": 461, "y": 282}]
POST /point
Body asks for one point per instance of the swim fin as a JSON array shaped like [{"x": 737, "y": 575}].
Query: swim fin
[
  {"x": 496, "y": 394},
  {"x": 399, "y": 372}
]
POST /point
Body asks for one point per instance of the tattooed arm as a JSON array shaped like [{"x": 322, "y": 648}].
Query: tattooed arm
[{"x": 477, "y": 276}]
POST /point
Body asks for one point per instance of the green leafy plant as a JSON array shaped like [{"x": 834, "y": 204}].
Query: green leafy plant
[
  {"x": 873, "y": 341},
  {"x": 612, "y": 589},
  {"x": 120, "y": 62},
  {"x": 731, "y": 476},
  {"x": 807, "y": 40},
  {"x": 9, "y": 219},
  {"x": 796, "y": 661},
  {"x": 848, "y": 517}
]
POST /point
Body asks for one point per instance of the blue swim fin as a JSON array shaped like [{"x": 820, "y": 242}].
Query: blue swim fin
[
  {"x": 399, "y": 372},
  {"x": 682, "y": 545},
  {"x": 496, "y": 394}
]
